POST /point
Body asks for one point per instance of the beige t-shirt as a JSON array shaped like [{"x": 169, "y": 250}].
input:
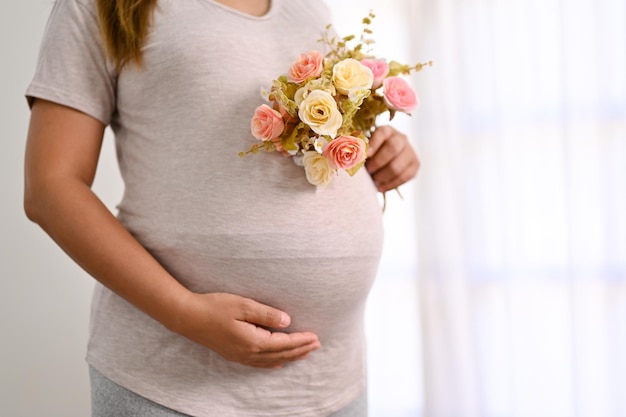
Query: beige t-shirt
[{"x": 251, "y": 226}]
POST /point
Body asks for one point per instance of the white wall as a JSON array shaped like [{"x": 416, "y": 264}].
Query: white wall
[{"x": 44, "y": 297}]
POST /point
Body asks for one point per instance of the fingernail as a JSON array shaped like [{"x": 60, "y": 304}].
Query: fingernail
[{"x": 284, "y": 320}]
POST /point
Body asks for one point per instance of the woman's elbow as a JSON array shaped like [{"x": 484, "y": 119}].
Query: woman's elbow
[
  {"x": 38, "y": 197},
  {"x": 32, "y": 204}
]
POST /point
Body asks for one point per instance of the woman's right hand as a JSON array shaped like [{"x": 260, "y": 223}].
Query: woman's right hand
[{"x": 236, "y": 328}]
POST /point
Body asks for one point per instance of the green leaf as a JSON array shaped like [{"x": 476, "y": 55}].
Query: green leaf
[
  {"x": 289, "y": 143},
  {"x": 355, "y": 168},
  {"x": 396, "y": 68}
]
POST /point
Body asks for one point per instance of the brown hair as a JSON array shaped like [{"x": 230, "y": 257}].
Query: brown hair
[{"x": 124, "y": 25}]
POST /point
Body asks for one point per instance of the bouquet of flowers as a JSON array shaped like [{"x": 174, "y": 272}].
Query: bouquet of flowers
[{"x": 323, "y": 111}]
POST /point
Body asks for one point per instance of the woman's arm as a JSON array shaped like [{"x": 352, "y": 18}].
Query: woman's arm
[{"x": 62, "y": 152}]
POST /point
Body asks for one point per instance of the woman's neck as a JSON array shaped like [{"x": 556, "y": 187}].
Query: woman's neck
[{"x": 252, "y": 7}]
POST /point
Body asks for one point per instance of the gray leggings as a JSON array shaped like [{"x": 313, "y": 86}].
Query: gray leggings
[{"x": 111, "y": 400}]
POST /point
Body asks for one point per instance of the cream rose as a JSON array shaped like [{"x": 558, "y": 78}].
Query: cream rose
[
  {"x": 319, "y": 111},
  {"x": 351, "y": 74},
  {"x": 316, "y": 168}
]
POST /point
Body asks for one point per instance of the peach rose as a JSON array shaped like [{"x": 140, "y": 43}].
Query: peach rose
[
  {"x": 351, "y": 74},
  {"x": 399, "y": 95},
  {"x": 320, "y": 112},
  {"x": 379, "y": 68},
  {"x": 267, "y": 123},
  {"x": 344, "y": 152},
  {"x": 316, "y": 168},
  {"x": 309, "y": 65}
]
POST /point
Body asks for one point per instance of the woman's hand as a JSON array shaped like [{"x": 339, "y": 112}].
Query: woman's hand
[
  {"x": 231, "y": 326},
  {"x": 392, "y": 160}
]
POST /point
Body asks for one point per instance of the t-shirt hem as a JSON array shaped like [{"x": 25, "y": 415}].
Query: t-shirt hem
[{"x": 161, "y": 397}]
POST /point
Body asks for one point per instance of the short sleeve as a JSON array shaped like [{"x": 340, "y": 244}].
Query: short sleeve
[{"x": 72, "y": 69}]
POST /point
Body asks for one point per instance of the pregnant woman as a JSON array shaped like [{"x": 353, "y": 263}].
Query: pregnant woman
[{"x": 226, "y": 286}]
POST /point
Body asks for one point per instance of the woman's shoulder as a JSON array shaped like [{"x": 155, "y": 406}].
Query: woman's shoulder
[
  {"x": 88, "y": 7},
  {"x": 89, "y": 4}
]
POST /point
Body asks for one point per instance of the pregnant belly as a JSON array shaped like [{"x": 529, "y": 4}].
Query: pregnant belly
[{"x": 321, "y": 283}]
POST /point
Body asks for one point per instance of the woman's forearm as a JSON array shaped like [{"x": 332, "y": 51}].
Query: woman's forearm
[{"x": 87, "y": 231}]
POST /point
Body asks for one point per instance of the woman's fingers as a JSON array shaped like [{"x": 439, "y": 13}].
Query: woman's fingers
[
  {"x": 384, "y": 145},
  {"x": 276, "y": 342},
  {"x": 263, "y": 315},
  {"x": 398, "y": 170},
  {"x": 237, "y": 328},
  {"x": 278, "y": 348},
  {"x": 392, "y": 160}
]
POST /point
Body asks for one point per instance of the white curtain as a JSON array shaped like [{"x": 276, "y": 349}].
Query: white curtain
[{"x": 521, "y": 214}]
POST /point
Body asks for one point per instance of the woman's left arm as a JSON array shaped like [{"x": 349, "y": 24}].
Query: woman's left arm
[{"x": 392, "y": 160}]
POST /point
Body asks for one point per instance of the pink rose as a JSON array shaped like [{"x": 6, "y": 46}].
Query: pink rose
[
  {"x": 379, "y": 68},
  {"x": 309, "y": 65},
  {"x": 399, "y": 95},
  {"x": 344, "y": 152},
  {"x": 267, "y": 123}
]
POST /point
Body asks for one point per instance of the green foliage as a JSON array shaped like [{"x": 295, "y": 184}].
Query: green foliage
[
  {"x": 365, "y": 118},
  {"x": 289, "y": 140},
  {"x": 355, "y": 168},
  {"x": 283, "y": 92}
]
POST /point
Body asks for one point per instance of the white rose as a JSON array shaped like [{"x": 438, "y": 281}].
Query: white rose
[
  {"x": 319, "y": 111},
  {"x": 349, "y": 74},
  {"x": 316, "y": 168}
]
